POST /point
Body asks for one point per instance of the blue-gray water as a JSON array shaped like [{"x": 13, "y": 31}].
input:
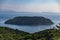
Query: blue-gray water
[{"x": 31, "y": 29}]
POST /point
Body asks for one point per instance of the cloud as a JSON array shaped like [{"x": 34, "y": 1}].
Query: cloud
[{"x": 48, "y": 6}]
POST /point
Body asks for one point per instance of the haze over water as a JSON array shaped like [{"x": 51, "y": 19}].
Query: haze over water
[{"x": 4, "y": 16}]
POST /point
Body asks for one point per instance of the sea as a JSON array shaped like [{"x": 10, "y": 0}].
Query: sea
[{"x": 6, "y": 15}]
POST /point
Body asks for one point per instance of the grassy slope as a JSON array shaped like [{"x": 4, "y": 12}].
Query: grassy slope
[
  {"x": 11, "y": 34},
  {"x": 49, "y": 34}
]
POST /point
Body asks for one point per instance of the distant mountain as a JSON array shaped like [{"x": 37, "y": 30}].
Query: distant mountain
[
  {"x": 25, "y": 12},
  {"x": 51, "y": 15}
]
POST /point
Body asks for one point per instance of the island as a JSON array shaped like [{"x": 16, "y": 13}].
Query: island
[{"x": 25, "y": 20}]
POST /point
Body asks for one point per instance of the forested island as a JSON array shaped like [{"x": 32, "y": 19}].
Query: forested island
[
  {"x": 14, "y": 34},
  {"x": 29, "y": 21}
]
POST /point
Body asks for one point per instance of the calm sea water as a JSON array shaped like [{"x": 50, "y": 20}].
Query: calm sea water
[{"x": 31, "y": 29}]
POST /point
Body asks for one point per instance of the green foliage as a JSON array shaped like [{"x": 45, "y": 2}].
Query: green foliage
[{"x": 14, "y": 34}]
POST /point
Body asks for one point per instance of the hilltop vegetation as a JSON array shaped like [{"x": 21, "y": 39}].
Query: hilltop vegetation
[
  {"x": 14, "y": 34},
  {"x": 29, "y": 21}
]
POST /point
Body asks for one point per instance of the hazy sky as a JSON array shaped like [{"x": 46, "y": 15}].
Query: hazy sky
[{"x": 30, "y": 5}]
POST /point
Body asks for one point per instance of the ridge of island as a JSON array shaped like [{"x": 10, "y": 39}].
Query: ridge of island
[{"x": 25, "y": 20}]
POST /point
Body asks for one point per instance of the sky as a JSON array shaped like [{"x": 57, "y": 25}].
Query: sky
[{"x": 30, "y": 5}]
